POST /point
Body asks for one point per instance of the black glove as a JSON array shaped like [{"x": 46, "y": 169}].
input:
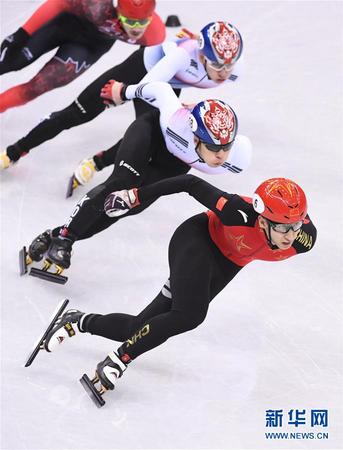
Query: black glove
[
  {"x": 13, "y": 43},
  {"x": 120, "y": 202}
]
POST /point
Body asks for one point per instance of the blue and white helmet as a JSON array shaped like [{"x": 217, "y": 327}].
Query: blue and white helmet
[
  {"x": 221, "y": 42},
  {"x": 214, "y": 122}
]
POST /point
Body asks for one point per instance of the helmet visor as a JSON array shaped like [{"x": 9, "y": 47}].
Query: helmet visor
[
  {"x": 134, "y": 23},
  {"x": 217, "y": 148},
  {"x": 218, "y": 67},
  {"x": 285, "y": 227}
]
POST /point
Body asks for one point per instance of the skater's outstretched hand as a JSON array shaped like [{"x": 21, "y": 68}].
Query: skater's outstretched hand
[
  {"x": 120, "y": 202},
  {"x": 113, "y": 93},
  {"x": 13, "y": 43}
]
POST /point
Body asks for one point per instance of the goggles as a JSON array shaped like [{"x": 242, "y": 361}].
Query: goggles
[
  {"x": 218, "y": 66},
  {"x": 134, "y": 23},
  {"x": 217, "y": 148},
  {"x": 285, "y": 227}
]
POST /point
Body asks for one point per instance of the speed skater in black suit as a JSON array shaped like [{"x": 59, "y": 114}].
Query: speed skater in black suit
[
  {"x": 159, "y": 144},
  {"x": 205, "y": 253}
]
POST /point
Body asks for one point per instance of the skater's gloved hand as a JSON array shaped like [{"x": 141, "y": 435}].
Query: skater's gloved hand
[
  {"x": 113, "y": 93},
  {"x": 120, "y": 202},
  {"x": 13, "y": 43}
]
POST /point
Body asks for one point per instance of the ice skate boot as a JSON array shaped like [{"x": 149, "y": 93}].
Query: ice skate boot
[
  {"x": 57, "y": 257},
  {"x": 5, "y": 161},
  {"x": 37, "y": 250},
  {"x": 106, "y": 374},
  {"x": 82, "y": 175},
  {"x": 39, "y": 344},
  {"x": 67, "y": 325}
]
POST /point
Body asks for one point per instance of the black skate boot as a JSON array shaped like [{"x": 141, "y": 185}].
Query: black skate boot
[
  {"x": 106, "y": 374},
  {"x": 58, "y": 254},
  {"x": 39, "y": 246},
  {"x": 37, "y": 250},
  {"x": 67, "y": 325}
]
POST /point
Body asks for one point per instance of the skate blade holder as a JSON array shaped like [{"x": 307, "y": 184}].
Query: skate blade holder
[
  {"x": 44, "y": 273},
  {"x": 94, "y": 393},
  {"x": 72, "y": 185}
]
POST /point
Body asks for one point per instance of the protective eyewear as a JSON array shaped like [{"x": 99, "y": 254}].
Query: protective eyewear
[
  {"x": 219, "y": 67},
  {"x": 134, "y": 23},
  {"x": 217, "y": 148},
  {"x": 285, "y": 227}
]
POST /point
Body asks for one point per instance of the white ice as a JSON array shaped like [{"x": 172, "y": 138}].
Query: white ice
[{"x": 272, "y": 339}]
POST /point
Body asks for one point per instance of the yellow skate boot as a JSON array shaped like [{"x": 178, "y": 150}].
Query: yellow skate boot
[
  {"x": 5, "y": 162},
  {"x": 82, "y": 175}
]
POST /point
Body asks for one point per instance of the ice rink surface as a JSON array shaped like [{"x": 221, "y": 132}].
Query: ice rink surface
[{"x": 272, "y": 339}]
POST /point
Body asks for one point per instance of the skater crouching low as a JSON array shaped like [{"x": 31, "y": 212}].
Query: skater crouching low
[
  {"x": 160, "y": 144},
  {"x": 205, "y": 253}
]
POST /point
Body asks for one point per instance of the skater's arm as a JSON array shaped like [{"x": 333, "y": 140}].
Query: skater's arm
[
  {"x": 119, "y": 202},
  {"x": 47, "y": 11},
  {"x": 204, "y": 192},
  {"x": 232, "y": 209},
  {"x": 175, "y": 59},
  {"x": 158, "y": 94}
]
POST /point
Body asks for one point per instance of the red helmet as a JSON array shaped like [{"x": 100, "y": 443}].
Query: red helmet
[
  {"x": 136, "y": 9},
  {"x": 280, "y": 200}
]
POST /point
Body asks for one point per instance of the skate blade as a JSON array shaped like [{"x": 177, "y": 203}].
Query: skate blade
[
  {"x": 92, "y": 391},
  {"x": 48, "y": 276},
  {"x": 39, "y": 344},
  {"x": 72, "y": 185},
  {"x": 24, "y": 261}
]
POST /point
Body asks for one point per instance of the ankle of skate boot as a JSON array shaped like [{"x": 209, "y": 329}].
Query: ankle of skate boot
[
  {"x": 121, "y": 366},
  {"x": 14, "y": 153},
  {"x": 98, "y": 163},
  {"x": 81, "y": 324},
  {"x": 66, "y": 233},
  {"x": 125, "y": 358}
]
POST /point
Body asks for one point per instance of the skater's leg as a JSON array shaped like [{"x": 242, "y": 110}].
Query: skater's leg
[
  {"x": 129, "y": 71},
  {"x": 198, "y": 272},
  {"x": 120, "y": 327},
  {"x": 107, "y": 157},
  {"x": 69, "y": 117},
  {"x": 133, "y": 158},
  {"x": 85, "y": 108},
  {"x": 164, "y": 165},
  {"x": 47, "y": 129},
  {"x": 42, "y": 41},
  {"x": 70, "y": 61}
]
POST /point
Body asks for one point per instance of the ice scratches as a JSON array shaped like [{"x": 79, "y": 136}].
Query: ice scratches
[
  {"x": 36, "y": 385},
  {"x": 36, "y": 309}
]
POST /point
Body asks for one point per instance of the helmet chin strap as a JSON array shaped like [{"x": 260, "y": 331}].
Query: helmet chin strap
[
  {"x": 197, "y": 146},
  {"x": 196, "y": 151},
  {"x": 205, "y": 66},
  {"x": 268, "y": 235}
]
